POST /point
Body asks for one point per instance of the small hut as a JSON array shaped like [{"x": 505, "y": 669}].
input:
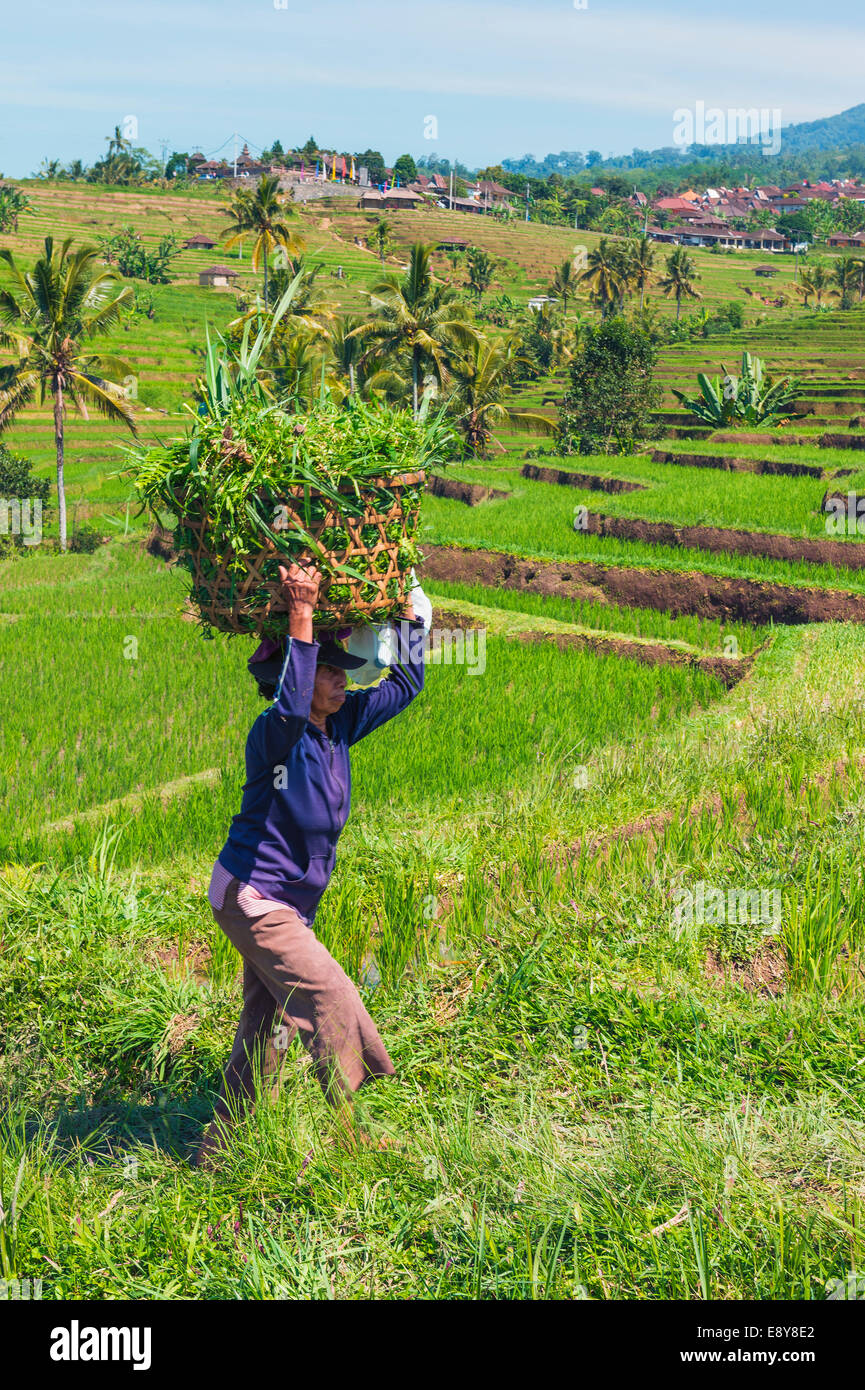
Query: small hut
[
  {"x": 217, "y": 275},
  {"x": 199, "y": 242}
]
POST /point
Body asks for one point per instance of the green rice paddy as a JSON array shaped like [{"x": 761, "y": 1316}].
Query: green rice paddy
[{"x": 595, "y": 1098}]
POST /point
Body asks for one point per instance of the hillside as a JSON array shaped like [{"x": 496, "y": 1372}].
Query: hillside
[{"x": 845, "y": 131}]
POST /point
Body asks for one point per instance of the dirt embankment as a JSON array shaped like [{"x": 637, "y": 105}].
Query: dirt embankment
[
  {"x": 590, "y": 481},
  {"x": 668, "y": 591},
  {"x": 470, "y": 493},
  {"x": 730, "y": 463},
  {"x": 722, "y": 541},
  {"x": 842, "y": 441},
  {"x": 819, "y": 441}
]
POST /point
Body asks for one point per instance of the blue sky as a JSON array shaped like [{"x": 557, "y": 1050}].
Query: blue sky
[{"x": 500, "y": 78}]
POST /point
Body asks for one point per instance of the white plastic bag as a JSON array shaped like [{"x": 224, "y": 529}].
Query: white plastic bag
[{"x": 378, "y": 644}]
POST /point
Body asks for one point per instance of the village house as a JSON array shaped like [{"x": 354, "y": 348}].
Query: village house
[
  {"x": 856, "y": 240},
  {"x": 489, "y": 193},
  {"x": 466, "y": 205},
  {"x": 715, "y": 232},
  {"x": 394, "y": 198}
]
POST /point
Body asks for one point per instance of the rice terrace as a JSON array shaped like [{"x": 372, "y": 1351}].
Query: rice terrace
[{"x": 601, "y": 890}]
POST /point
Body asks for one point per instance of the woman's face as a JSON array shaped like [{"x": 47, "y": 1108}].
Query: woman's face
[{"x": 329, "y": 689}]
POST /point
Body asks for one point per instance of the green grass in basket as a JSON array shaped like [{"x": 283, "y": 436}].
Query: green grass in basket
[{"x": 237, "y": 466}]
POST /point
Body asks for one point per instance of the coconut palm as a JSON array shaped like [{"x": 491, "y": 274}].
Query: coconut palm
[
  {"x": 481, "y": 376},
  {"x": 346, "y": 350},
  {"x": 604, "y": 275},
  {"x": 845, "y": 279},
  {"x": 46, "y": 314},
  {"x": 805, "y": 287},
  {"x": 260, "y": 212},
  {"x": 680, "y": 277},
  {"x": 300, "y": 369},
  {"x": 642, "y": 259},
  {"x": 309, "y": 302},
  {"x": 564, "y": 282},
  {"x": 380, "y": 239},
  {"x": 481, "y": 267},
  {"x": 415, "y": 319},
  {"x": 117, "y": 143}
]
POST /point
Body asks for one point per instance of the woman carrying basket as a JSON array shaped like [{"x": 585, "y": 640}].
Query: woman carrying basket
[{"x": 280, "y": 853}]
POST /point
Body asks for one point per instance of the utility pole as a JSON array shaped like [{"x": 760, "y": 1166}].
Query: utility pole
[
  {"x": 235, "y": 154},
  {"x": 164, "y": 143},
  {"x": 527, "y": 200}
]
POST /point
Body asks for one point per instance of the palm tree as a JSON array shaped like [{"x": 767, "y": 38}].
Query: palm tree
[
  {"x": 820, "y": 280},
  {"x": 308, "y": 302},
  {"x": 564, "y": 282},
  {"x": 642, "y": 258},
  {"x": 345, "y": 350},
  {"x": 806, "y": 286},
  {"x": 604, "y": 274},
  {"x": 261, "y": 213},
  {"x": 481, "y": 376},
  {"x": 680, "y": 277},
  {"x": 481, "y": 267},
  {"x": 299, "y": 368},
  {"x": 117, "y": 143},
  {"x": 416, "y": 319},
  {"x": 845, "y": 277},
  {"x": 380, "y": 239},
  {"x": 45, "y": 316}
]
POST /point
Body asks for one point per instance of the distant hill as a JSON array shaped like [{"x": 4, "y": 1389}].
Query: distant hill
[
  {"x": 837, "y": 133},
  {"x": 829, "y": 133}
]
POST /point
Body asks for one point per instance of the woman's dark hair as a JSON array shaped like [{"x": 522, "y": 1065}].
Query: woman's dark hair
[{"x": 267, "y": 692}]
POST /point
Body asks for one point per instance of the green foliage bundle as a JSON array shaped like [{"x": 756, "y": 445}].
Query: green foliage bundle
[
  {"x": 256, "y": 471},
  {"x": 239, "y": 468}
]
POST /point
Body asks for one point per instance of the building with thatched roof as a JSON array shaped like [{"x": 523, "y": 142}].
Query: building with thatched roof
[
  {"x": 217, "y": 275},
  {"x": 199, "y": 242}
]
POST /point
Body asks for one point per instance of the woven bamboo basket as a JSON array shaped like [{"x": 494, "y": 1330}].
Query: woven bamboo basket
[{"x": 251, "y": 601}]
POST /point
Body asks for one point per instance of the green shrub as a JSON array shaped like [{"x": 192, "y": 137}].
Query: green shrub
[{"x": 85, "y": 540}]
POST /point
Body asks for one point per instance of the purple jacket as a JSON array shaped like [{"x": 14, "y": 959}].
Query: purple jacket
[{"x": 297, "y": 792}]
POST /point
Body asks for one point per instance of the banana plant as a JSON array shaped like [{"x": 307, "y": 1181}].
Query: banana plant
[{"x": 750, "y": 399}]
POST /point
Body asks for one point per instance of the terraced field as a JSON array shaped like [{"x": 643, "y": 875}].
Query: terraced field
[
  {"x": 602, "y": 1091},
  {"x": 164, "y": 353}
]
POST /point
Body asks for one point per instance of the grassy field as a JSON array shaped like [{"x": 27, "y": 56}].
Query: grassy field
[{"x": 608, "y": 914}]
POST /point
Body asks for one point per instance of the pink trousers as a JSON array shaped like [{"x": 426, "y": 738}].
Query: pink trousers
[{"x": 292, "y": 985}]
